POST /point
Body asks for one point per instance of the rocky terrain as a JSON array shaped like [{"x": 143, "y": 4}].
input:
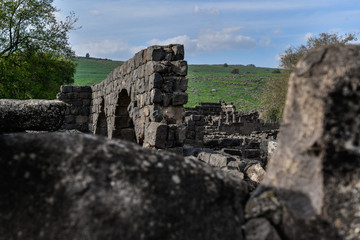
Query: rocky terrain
[{"x": 72, "y": 185}]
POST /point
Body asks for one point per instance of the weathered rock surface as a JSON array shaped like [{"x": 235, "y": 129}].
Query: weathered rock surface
[
  {"x": 76, "y": 186},
  {"x": 315, "y": 170},
  {"x": 37, "y": 115},
  {"x": 255, "y": 173},
  {"x": 260, "y": 229}
]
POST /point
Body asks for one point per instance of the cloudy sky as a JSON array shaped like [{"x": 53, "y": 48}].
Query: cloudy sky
[{"x": 213, "y": 31}]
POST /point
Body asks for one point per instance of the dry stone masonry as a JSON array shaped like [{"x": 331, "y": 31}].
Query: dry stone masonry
[
  {"x": 147, "y": 93},
  {"x": 142, "y": 100},
  {"x": 77, "y": 111}
]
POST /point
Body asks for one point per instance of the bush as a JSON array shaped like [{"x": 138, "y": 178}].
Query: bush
[
  {"x": 235, "y": 71},
  {"x": 38, "y": 76},
  {"x": 276, "y": 71},
  {"x": 250, "y": 65},
  {"x": 226, "y": 65},
  {"x": 274, "y": 95}
]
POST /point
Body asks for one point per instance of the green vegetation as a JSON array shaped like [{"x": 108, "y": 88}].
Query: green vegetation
[
  {"x": 93, "y": 70},
  {"x": 275, "y": 92},
  {"x": 213, "y": 83},
  {"x": 35, "y": 56},
  {"x": 207, "y": 83},
  {"x": 235, "y": 71}
]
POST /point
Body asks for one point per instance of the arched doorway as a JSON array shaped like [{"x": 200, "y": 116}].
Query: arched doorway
[
  {"x": 101, "y": 126},
  {"x": 124, "y": 126}
]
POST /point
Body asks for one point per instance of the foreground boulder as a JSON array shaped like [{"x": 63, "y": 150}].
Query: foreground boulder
[
  {"x": 77, "y": 186},
  {"x": 314, "y": 172},
  {"x": 37, "y": 115}
]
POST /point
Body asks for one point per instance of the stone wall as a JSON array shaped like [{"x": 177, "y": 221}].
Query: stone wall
[
  {"x": 142, "y": 100},
  {"x": 77, "y": 111},
  {"x": 212, "y": 118}
]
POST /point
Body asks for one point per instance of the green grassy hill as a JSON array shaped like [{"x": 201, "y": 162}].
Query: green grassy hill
[
  {"x": 213, "y": 83},
  {"x": 207, "y": 83},
  {"x": 93, "y": 70}
]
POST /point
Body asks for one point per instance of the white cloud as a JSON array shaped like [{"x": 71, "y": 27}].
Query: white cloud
[
  {"x": 308, "y": 36},
  {"x": 95, "y": 12},
  {"x": 206, "y": 11},
  {"x": 278, "y": 5},
  {"x": 264, "y": 41},
  {"x": 116, "y": 49},
  {"x": 277, "y": 31},
  {"x": 278, "y": 57},
  {"x": 196, "y": 8},
  {"x": 211, "y": 41}
]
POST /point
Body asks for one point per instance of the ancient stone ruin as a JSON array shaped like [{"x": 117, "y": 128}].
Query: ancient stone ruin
[
  {"x": 146, "y": 92},
  {"x": 70, "y": 185}
]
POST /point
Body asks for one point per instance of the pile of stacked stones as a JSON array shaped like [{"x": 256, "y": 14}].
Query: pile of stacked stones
[
  {"x": 153, "y": 85},
  {"x": 239, "y": 149},
  {"x": 77, "y": 111}
]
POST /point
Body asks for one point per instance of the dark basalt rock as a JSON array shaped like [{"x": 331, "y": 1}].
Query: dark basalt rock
[
  {"x": 77, "y": 186},
  {"x": 36, "y": 115},
  {"x": 315, "y": 170}
]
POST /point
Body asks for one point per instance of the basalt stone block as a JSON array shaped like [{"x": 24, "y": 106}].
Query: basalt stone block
[
  {"x": 139, "y": 58},
  {"x": 180, "y": 68},
  {"x": 156, "y": 96},
  {"x": 112, "y": 189},
  {"x": 156, "y": 134},
  {"x": 155, "y": 53},
  {"x": 37, "y": 115},
  {"x": 179, "y": 52},
  {"x": 155, "y": 67},
  {"x": 315, "y": 169},
  {"x": 173, "y": 114},
  {"x": 167, "y": 99},
  {"x": 66, "y": 88},
  {"x": 155, "y": 81},
  {"x": 179, "y": 98},
  {"x": 181, "y": 84}
]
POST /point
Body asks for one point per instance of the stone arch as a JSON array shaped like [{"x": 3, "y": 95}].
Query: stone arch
[
  {"x": 124, "y": 126},
  {"x": 101, "y": 125},
  {"x": 154, "y": 82}
]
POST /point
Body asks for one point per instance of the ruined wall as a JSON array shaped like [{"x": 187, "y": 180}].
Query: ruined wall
[
  {"x": 77, "y": 111},
  {"x": 142, "y": 100},
  {"x": 221, "y": 118}
]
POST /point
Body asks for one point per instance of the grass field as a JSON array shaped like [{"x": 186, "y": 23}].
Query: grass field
[
  {"x": 93, "y": 70},
  {"x": 213, "y": 83},
  {"x": 207, "y": 83}
]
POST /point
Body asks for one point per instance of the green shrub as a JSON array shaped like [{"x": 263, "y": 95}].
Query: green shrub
[
  {"x": 235, "y": 71},
  {"x": 276, "y": 71},
  {"x": 274, "y": 95}
]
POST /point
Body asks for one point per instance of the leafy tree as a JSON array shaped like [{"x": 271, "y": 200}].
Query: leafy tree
[
  {"x": 87, "y": 55},
  {"x": 292, "y": 55},
  {"x": 226, "y": 65},
  {"x": 38, "y": 76},
  {"x": 35, "y": 56},
  {"x": 235, "y": 71},
  {"x": 274, "y": 96}
]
